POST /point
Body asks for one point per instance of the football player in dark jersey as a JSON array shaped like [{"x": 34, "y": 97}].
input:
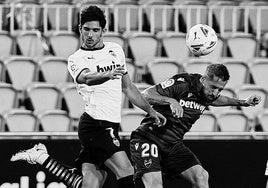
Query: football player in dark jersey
[{"x": 157, "y": 150}]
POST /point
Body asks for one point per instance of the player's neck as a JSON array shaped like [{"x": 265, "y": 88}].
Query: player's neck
[{"x": 93, "y": 48}]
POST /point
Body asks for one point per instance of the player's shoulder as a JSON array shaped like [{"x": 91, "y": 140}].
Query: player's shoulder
[
  {"x": 186, "y": 77},
  {"x": 76, "y": 54}
]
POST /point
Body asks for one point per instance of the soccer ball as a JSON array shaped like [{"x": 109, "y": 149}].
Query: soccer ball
[{"x": 201, "y": 39}]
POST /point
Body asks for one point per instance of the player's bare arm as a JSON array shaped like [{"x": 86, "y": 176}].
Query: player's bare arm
[
  {"x": 227, "y": 101},
  {"x": 95, "y": 78},
  {"x": 153, "y": 97},
  {"x": 134, "y": 95}
]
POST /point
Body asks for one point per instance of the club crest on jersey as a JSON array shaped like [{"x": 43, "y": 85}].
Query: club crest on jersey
[
  {"x": 112, "y": 53},
  {"x": 137, "y": 146},
  {"x": 116, "y": 142},
  {"x": 147, "y": 163},
  {"x": 167, "y": 83}
]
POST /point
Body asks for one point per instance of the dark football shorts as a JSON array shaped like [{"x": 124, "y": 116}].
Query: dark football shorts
[
  {"x": 147, "y": 157},
  {"x": 99, "y": 140}
]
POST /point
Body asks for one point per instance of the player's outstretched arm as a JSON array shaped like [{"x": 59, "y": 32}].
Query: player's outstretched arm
[{"x": 253, "y": 100}]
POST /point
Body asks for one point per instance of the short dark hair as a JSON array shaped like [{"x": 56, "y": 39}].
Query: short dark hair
[
  {"x": 218, "y": 70},
  {"x": 92, "y": 13}
]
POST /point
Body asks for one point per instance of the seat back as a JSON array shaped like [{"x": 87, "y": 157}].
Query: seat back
[
  {"x": 233, "y": 120},
  {"x": 55, "y": 120},
  {"x": 9, "y": 97},
  {"x": 206, "y": 123},
  {"x": 20, "y": 120}
]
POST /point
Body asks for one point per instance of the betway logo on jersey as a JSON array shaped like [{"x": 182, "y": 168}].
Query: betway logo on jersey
[
  {"x": 107, "y": 68},
  {"x": 192, "y": 105}
]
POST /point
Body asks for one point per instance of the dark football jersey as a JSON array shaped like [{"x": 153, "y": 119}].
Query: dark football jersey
[{"x": 187, "y": 90}]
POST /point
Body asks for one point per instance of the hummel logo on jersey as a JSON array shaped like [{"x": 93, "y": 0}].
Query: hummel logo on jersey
[
  {"x": 193, "y": 105},
  {"x": 136, "y": 146},
  {"x": 112, "y": 53},
  {"x": 107, "y": 68}
]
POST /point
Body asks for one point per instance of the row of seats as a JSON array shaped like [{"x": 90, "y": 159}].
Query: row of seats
[
  {"x": 21, "y": 71},
  {"x": 230, "y": 120},
  {"x": 172, "y": 45},
  {"x": 153, "y": 17}
]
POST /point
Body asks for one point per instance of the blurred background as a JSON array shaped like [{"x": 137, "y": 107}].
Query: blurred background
[{"x": 39, "y": 101}]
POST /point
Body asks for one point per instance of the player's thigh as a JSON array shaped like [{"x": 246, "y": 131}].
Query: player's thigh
[
  {"x": 120, "y": 164},
  {"x": 93, "y": 176},
  {"x": 195, "y": 173},
  {"x": 145, "y": 156},
  {"x": 153, "y": 179}
]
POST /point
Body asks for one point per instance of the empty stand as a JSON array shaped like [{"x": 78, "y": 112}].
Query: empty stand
[
  {"x": 115, "y": 37},
  {"x": 20, "y": 120},
  {"x": 53, "y": 70},
  {"x": 54, "y": 120},
  {"x": 64, "y": 44},
  {"x": 174, "y": 45},
  {"x": 259, "y": 71},
  {"x": 32, "y": 44},
  {"x": 233, "y": 120},
  {"x": 131, "y": 69},
  {"x": 42, "y": 96},
  {"x": 9, "y": 97},
  {"x": 9, "y": 47},
  {"x": 20, "y": 71},
  {"x": 206, "y": 123},
  {"x": 238, "y": 70},
  {"x": 242, "y": 46},
  {"x": 131, "y": 119},
  {"x": 161, "y": 69}
]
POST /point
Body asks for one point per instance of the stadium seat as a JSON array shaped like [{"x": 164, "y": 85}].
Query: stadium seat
[
  {"x": 127, "y": 17},
  {"x": 115, "y": 37},
  {"x": 59, "y": 16},
  {"x": 53, "y": 70},
  {"x": 238, "y": 70},
  {"x": 160, "y": 16},
  {"x": 233, "y": 120},
  {"x": 206, "y": 123},
  {"x": 42, "y": 96},
  {"x": 64, "y": 44},
  {"x": 248, "y": 42},
  {"x": 2, "y": 123},
  {"x": 72, "y": 102},
  {"x": 259, "y": 71},
  {"x": 131, "y": 119},
  {"x": 174, "y": 45},
  {"x": 54, "y": 120},
  {"x": 20, "y": 71},
  {"x": 20, "y": 120},
  {"x": 229, "y": 92},
  {"x": 246, "y": 91},
  {"x": 197, "y": 65},
  {"x": 9, "y": 97},
  {"x": 161, "y": 69},
  {"x": 32, "y": 44},
  {"x": 262, "y": 119},
  {"x": 225, "y": 17},
  {"x": 145, "y": 41},
  {"x": 190, "y": 13},
  {"x": 9, "y": 47}
]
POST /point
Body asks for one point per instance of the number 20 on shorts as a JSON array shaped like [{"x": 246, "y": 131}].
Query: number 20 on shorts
[{"x": 149, "y": 149}]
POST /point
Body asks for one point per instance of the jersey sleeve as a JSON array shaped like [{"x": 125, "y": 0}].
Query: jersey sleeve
[
  {"x": 122, "y": 56},
  {"x": 75, "y": 66},
  {"x": 173, "y": 87}
]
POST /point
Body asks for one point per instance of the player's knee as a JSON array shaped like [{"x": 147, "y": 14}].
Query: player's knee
[
  {"x": 201, "y": 179},
  {"x": 91, "y": 180},
  {"x": 155, "y": 183}
]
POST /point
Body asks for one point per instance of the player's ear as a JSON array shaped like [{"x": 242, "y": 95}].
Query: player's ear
[{"x": 104, "y": 30}]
